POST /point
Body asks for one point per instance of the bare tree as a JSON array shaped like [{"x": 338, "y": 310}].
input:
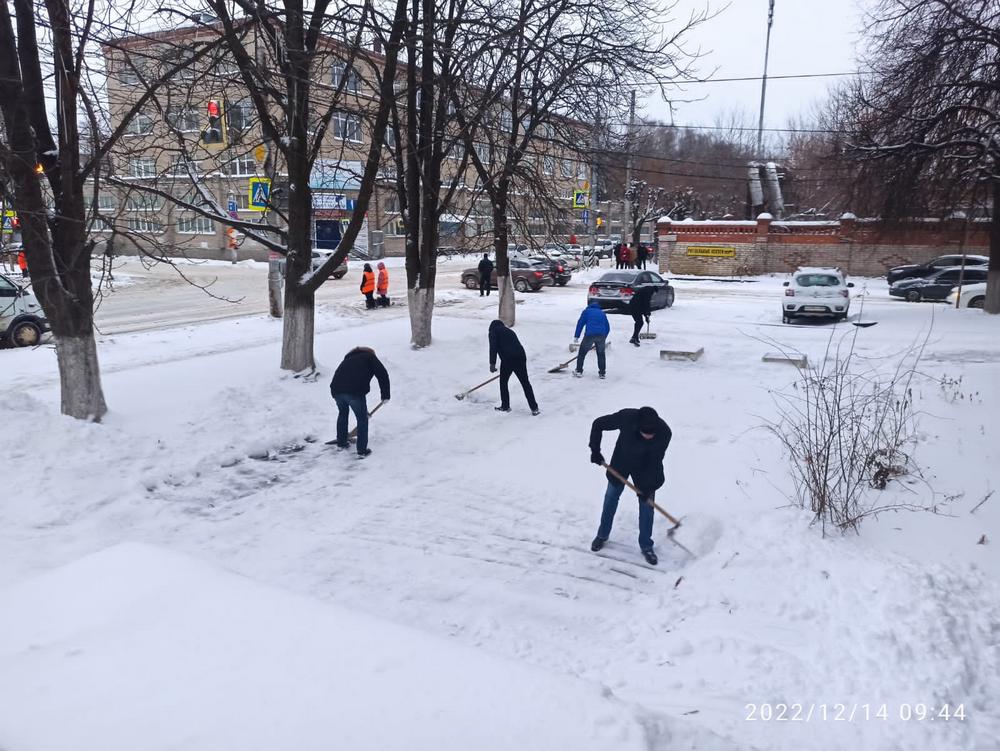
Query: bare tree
[
  {"x": 645, "y": 204},
  {"x": 927, "y": 118}
]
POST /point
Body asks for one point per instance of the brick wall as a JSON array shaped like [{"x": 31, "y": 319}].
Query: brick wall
[{"x": 860, "y": 247}]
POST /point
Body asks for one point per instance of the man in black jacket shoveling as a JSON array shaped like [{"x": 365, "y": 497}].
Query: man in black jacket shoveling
[
  {"x": 349, "y": 387},
  {"x": 640, "y": 307},
  {"x": 504, "y": 342},
  {"x": 642, "y": 441}
]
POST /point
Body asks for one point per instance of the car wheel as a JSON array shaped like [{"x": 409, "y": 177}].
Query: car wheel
[
  {"x": 913, "y": 296},
  {"x": 521, "y": 286},
  {"x": 471, "y": 283},
  {"x": 670, "y": 297},
  {"x": 562, "y": 283},
  {"x": 977, "y": 302},
  {"x": 25, "y": 334}
]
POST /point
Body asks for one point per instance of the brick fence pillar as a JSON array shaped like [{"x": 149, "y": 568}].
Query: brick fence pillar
[
  {"x": 761, "y": 242},
  {"x": 848, "y": 227}
]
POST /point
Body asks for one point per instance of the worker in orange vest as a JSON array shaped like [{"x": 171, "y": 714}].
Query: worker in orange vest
[
  {"x": 368, "y": 286},
  {"x": 382, "y": 286},
  {"x": 22, "y": 263}
]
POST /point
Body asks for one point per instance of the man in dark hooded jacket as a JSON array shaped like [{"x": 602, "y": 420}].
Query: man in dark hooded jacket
[
  {"x": 642, "y": 441},
  {"x": 349, "y": 388},
  {"x": 485, "y": 275},
  {"x": 504, "y": 342},
  {"x": 640, "y": 307}
]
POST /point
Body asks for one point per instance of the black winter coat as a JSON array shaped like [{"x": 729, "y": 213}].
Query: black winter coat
[
  {"x": 640, "y": 304},
  {"x": 354, "y": 375},
  {"x": 504, "y": 342},
  {"x": 485, "y": 267},
  {"x": 634, "y": 455}
]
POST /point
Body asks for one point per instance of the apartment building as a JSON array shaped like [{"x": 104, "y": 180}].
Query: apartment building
[{"x": 165, "y": 153}]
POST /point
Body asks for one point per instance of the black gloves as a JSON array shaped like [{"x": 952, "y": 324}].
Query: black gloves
[
  {"x": 493, "y": 368},
  {"x": 596, "y": 458}
]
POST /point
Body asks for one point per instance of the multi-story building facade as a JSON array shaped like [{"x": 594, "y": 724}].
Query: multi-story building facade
[{"x": 168, "y": 156}]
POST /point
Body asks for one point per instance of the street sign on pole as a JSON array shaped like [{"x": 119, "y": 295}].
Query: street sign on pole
[
  {"x": 581, "y": 199},
  {"x": 586, "y": 216},
  {"x": 260, "y": 194}
]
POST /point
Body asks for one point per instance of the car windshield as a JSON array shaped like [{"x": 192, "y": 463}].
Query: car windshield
[
  {"x": 817, "y": 280},
  {"x": 617, "y": 278}
]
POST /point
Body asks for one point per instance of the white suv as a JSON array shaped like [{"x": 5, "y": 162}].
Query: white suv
[
  {"x": 22, "y": 321},
  {"x": 816, "y": 293}
]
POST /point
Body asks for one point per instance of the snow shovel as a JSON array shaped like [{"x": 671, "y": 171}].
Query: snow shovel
[
  {"x": 647, "y": 334},
  {"x": 676, "y": 522},
  {"x": 561, "y": 367},
  {"x": 354, "y": 433},
  {"x": 464, "y": 394},
  {"x": 861, "y": 311}
]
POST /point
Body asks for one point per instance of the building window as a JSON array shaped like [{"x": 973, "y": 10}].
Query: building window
[
  {"x": 195, "y": 224},
  {"x": 184, "y": 119},
  {"x": 241, "y": 166},
  {"x": 144, "y": 225},
  {"x": 143, "y": 166},
  {"x": 183, "y": 166},
  {"x": 506, "y": 120},
  {"x": 566, "y": 168},
  {"x": 483, "y": 151},
  {"x": 398, "y": 228},
  {"x": 239, "y": 116},
  {"x": 390, "y": 141},
  {"x": 143, "y": 202},
  {"x": 548, "y": 164},
  {"x": 347, "y": 127},
  {"x": 106, "y": 202},
  {"x": 140, "y": 125},
  {"x": 353, "y": 83}
]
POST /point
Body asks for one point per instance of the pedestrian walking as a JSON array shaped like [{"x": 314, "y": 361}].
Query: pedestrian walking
[
  {"x": 640, "y": 308},
  {"x": 349, "y": 389},
  {"x": 513, "y": 360},
  {"x": 368, "y": 286},
  {"x": 22, "y": 263},
  {"x": 382, "y": 286},
  {"x": 633, "y": 256},
  {"x": 594, "y": 325},
  {"x": 485, "y": 275},
  {"x": 642, "y": 254},
  {"x": 643, "y": 438},
  {"x": 621, "y": 254}
]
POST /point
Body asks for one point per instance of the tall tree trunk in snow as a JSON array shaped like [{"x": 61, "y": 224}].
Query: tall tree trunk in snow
[
  {"x": 297, "y": 323},
  {"x": 501, "y": 234}
]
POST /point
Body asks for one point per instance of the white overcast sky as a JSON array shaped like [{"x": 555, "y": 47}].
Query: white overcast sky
[{"x": 808, "y": 36}]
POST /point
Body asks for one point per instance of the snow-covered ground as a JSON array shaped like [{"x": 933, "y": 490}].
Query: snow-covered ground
[{"x": 474, "y": 527}]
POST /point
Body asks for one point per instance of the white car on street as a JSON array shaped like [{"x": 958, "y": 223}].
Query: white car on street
[
  {"x": 816, "y": 293},
  {"x": 973, "y": 295},
  {"x": 22, "y": 321}
]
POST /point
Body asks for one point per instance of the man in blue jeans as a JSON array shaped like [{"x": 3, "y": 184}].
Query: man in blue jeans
[
  {"x": 595, "y": 321},
  {"x": 642, "y": 441},
  {"x": 349, "y": 388}
]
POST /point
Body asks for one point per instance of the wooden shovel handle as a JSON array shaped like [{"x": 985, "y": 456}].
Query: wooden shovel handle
[{"x": 617, "y": 475}]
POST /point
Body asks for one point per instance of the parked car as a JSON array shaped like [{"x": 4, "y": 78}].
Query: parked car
[
  {"x": 816, "y": 293},
  {"x": 972, "y": 295},
  {"x": 561, "y": 273},
  {"x": 525, "y": 275},
  {"x": 614, "y": 290},
  {"x": 938, "y": 285},
  {"x": 318, "y": 256},
  {"x": 923, "y": 270},
  {"x": 22, "y": 321}
]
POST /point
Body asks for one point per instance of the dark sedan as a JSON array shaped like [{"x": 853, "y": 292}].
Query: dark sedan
[
  {"x": 525, "y": 275},
  {"x": 614, "y": 290},
  {"x": 923, "y": 270},
  {"x": 560, "y": 273},
  {"x": 938, "y": 285}
]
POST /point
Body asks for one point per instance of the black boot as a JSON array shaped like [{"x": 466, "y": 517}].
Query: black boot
[
  {"x": 650, "y": 557},
  {"x": 597, "y": 544}
]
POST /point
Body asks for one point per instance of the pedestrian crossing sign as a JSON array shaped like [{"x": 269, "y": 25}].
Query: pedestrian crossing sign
[
  {"x": 260, "y": 194},
  {"x": 581, "y": 199}
]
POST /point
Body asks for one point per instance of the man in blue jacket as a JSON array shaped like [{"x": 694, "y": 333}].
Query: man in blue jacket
[{"x": 595, "y": 321}]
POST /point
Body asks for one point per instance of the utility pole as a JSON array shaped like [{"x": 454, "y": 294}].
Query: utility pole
[
  {"x": 627, "y": 218},
  {"x": 591, "y": 202},
  {"x": 763, "y": 81}
]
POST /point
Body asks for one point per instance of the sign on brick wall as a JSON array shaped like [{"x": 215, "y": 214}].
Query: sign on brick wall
[{"x": 712, "y": 251}]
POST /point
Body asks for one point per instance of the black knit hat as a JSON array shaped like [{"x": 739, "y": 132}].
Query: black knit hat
[{"x": 649, "y": 421}]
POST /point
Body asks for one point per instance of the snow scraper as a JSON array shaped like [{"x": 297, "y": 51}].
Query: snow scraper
[
  {"x": 676, "y": 522},
  {"x": 354, "y": 433},
  {"x": 464, "y": 394}
]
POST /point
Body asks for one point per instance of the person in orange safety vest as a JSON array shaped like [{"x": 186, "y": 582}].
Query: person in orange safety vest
[
  {"x": 368, "y": 286},
  {"x": 382, "y": 286}
]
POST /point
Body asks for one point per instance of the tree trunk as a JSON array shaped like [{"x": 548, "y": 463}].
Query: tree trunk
[
  {"x": 506, "y": 310},
  {"x": 992, "y": 303},
  {"x": 421, "y": 303},
  {"x": 80, "y": 377},
  {"x": 506, "y": 305},
  {"x": 297, "y": 332}
]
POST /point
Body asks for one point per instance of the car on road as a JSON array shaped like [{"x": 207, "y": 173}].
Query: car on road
[
  {"x": 614, "y": 290},
  {"x": 318, "y": 256},
  {"x": 525, "y": 275},
  {"x": 972, "y": 295},
  {"x": 561, "y": 273},
  {"x": 938, "y": 285},
  {"x": 22, "y": 321},
  {"x": 915, "y": 270},
  {"x": 816, "y": 293}
]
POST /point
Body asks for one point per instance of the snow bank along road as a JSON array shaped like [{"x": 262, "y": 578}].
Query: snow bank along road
[{"x": 474, "y": 526}]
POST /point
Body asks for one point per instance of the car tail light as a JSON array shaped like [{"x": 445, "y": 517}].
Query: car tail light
[
  {"x": 627, "y": 291},
  {"x": 539, "y": 274},
  {"x": 789, "y": 293},
  {"x": 559, "y": 269},
  {"x": 592, "y": 291},
  {"x": 844, "y": 293}
]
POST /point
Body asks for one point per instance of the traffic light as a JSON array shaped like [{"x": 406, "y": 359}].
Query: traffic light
[
  {"x": 214, "y": 132},
  {"x": 600, "y": 221}
]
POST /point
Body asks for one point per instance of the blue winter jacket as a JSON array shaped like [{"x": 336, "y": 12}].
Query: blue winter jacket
[{"x": 595, "y": 320}]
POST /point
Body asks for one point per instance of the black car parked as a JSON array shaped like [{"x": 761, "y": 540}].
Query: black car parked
[
  {"x": 938, "y": 285},
  {"x": 614, "y": 290},
  {"x": 560, "y": 273},
  {"x": 921, "y": 270}
]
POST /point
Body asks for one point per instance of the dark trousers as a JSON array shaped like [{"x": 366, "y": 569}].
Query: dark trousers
[
  {"x": 357, "y": 404},
  {"x": 484, "y": 285},
  {"x": 611, "y": 496},
  {"x": 383, "y": 300},
  {"x": 597, "y": 340},
  {"x": 639, "y": 319},
  {"x": 520, "y": 369},
  {"x": 369, "y": 299}
]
